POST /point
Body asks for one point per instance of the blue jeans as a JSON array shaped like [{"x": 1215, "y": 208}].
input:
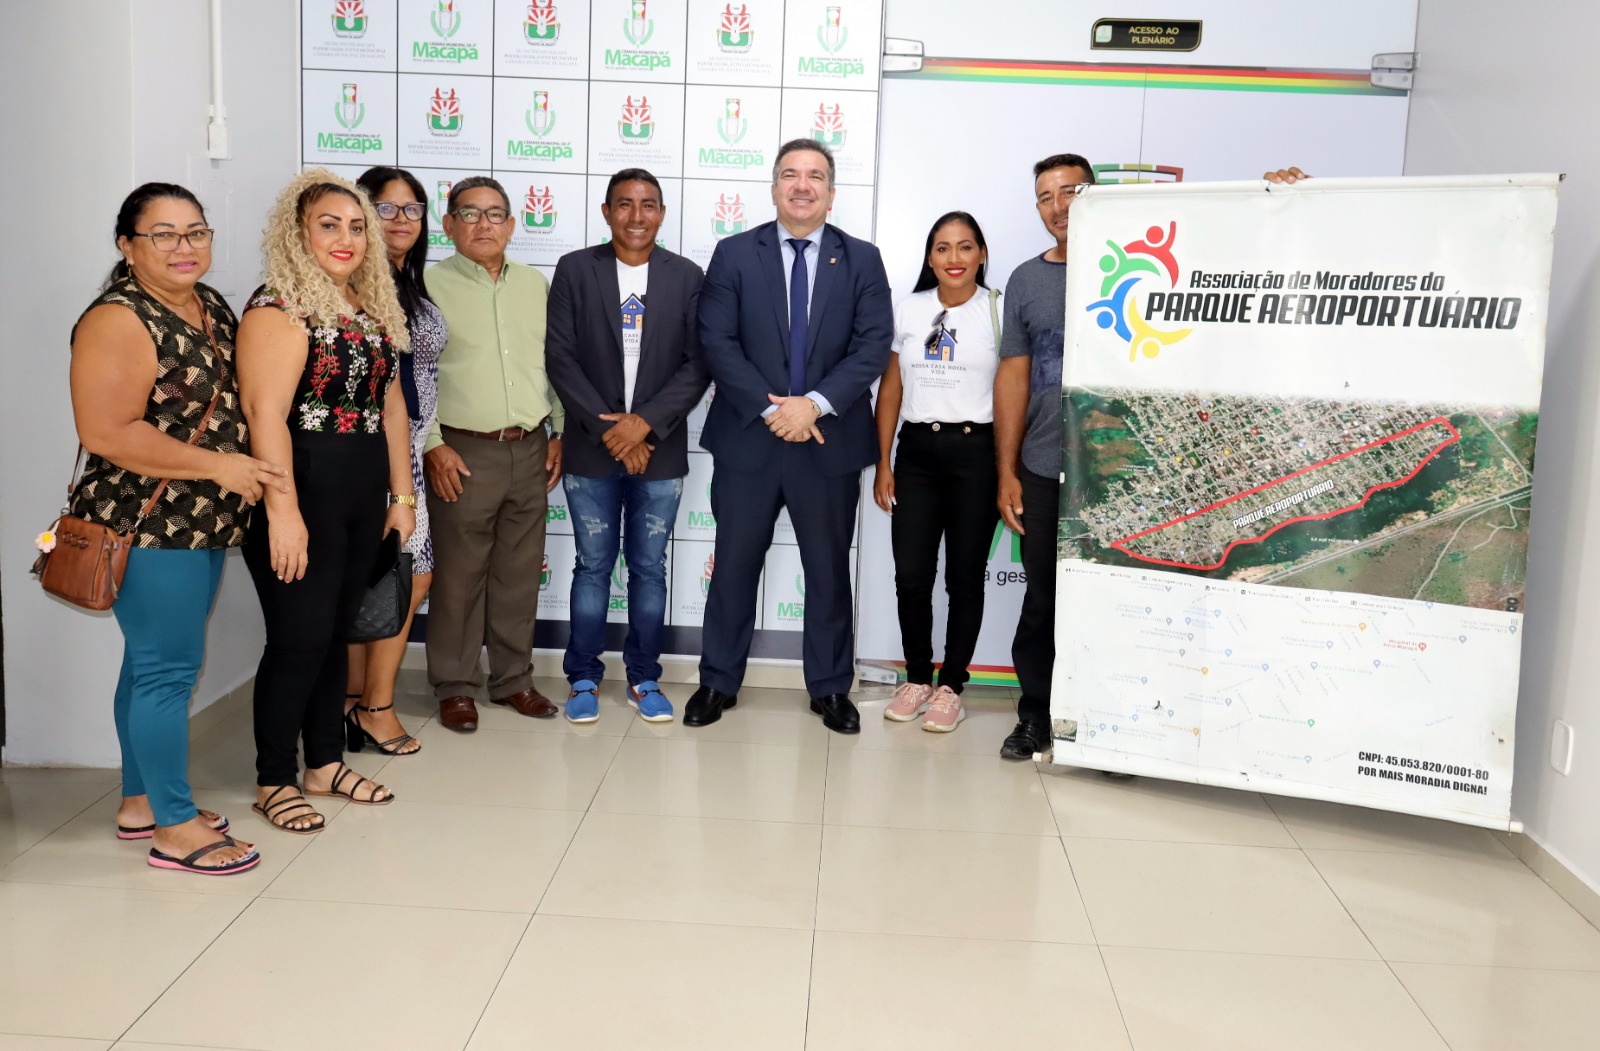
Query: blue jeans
[
  {"x": 603, "y": 509},
  {"x": 161, "y": 608}
]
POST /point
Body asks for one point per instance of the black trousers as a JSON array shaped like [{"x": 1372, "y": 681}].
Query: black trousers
[
  {"x": 1033, "y": 651},
  {"x": 944, "y": 488},
  {"x": 342, "y": 481},
  {"x": 823, "y": 510}
]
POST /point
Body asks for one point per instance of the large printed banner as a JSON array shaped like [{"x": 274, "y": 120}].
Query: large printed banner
[
  {"x": 1299, "y": 430},
  {"x": 553, "y": 96}
]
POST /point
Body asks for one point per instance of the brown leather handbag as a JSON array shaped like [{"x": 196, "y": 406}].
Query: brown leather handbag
[{"x": 87, "y": 563}]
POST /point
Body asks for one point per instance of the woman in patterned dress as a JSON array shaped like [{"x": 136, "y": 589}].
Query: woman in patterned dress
[
  {"x": 317, "y": 358},
  {"x": 398, "y": 198},
  {"x": 149, "y": 356}
]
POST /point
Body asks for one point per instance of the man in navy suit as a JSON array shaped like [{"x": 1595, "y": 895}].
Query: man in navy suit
[
  {"x": 795, "y": 324},
  {"x": 623, "y": 353}
]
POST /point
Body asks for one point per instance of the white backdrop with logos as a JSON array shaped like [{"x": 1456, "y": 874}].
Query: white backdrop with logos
[{"x": 553, "y": 96}]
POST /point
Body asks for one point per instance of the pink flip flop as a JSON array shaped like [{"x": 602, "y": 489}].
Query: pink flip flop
[{"x": 187, "y": 864}]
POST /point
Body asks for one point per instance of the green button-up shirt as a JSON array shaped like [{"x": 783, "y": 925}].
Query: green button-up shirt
[{"x": 491, "y": 371}]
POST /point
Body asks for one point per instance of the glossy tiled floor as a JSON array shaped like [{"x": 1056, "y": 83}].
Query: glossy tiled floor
[{"x": 763, "y": 884}]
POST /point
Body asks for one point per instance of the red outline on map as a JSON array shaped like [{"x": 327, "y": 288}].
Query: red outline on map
[{"x": 1455, "y": 436}]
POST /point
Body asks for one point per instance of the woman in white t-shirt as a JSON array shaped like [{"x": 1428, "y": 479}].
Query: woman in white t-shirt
[{"x": 941, "y": 485}]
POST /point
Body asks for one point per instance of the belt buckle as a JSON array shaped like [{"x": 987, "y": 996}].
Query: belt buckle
[{"x": 503, "y": 433}]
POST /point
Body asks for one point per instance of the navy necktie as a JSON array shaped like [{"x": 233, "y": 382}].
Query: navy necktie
[{"x": 799, "y": 325}]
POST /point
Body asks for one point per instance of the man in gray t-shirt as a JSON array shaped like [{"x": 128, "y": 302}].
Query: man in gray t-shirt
[{"x": 1027, "y": 432}]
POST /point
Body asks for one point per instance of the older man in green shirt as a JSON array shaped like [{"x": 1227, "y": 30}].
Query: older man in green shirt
[{"x": 490, "y": 462}]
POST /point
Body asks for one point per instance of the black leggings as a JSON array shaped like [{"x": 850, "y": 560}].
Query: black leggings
[
  {"x": 342, "y": 480},
  {"x": 944, "y": 487}
]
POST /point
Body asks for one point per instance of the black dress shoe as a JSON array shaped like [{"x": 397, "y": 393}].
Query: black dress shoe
[
  {"x": 838, "y": 714},
  {"x": 707, "y": 706},
  {"x": 1027, "y": 739}
]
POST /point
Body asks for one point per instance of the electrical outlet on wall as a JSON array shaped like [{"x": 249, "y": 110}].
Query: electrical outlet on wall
[{"x": 1561, "y": 747}]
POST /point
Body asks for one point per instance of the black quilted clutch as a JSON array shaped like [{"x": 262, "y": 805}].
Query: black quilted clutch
[{"x": 383, "y": 611}]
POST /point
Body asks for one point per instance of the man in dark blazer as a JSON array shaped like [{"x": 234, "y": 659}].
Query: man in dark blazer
[
  {"x": 623, "y": 353},
  {"x": 796, "y": 324}
]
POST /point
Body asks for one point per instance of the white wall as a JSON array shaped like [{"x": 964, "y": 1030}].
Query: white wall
[
  {"x": 124, "y": 104},
  {"x": 1499, "y": 94}
]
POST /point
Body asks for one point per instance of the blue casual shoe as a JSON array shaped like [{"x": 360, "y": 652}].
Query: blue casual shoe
[
  {"x": 652, "y": 704},
  {"x": 583, "y": 703}
]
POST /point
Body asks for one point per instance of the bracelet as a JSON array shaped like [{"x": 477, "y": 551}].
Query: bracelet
[{"x": 403, "y": 499}]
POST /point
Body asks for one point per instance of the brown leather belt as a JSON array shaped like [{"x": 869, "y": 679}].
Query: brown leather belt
[{"x": 505, "y": 434}]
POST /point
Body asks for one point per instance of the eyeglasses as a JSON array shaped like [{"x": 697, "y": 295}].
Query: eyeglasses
[
  {"x": 167, "y": 240},
  {"x": 938, "y": 330},
  {"x": 470, "y": 216},
  {"x": 390, "y": 210}
]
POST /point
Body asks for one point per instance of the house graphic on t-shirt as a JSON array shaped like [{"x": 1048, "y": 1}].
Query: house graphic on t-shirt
[
  {"x": 942, "y": 348},
  {"x": 632, "y": 313}
]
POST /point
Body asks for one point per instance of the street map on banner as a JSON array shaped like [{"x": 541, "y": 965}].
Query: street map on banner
[{"x": 1299, "y": 430}]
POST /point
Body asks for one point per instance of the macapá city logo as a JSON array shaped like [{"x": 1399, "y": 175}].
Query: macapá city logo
[
  {"x": 539, "y": 209},
  {"x": 638, "y": 27},
  {"x": 728, "y": 217},
  {"x": 542, "y": 24},
  {"x": 703, "y": 519},
  {"x": 795, "y": 610},
  {"x": 438, "y": 207},
  {"x": 731, "y": 126},
  {"x": 1125, "y": 267},
  {"x": 444, "y": 113},
  {"x": 832, "y": 35},
  {"x": 540, "y": 119},
  {"x": 350, "y": 18},
  {"x": 445, "y": 21},
  {"x": 619, "y": 586},
  {"x": 734, "y": 34},
  {"x": 349, "y": 111},
  {"x": 637, "y": 125},
  {"x": 827, "y": 125}
]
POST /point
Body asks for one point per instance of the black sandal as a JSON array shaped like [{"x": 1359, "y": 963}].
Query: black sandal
[
  {"x": 355, "y": 735},
  {"x": 279, "y": 812},
  {"x": 338, "y": 789}
]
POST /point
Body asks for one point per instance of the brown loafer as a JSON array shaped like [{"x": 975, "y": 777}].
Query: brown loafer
[
  {"x": 459, "y": 714},
  {"x": 530, "y": 702}
]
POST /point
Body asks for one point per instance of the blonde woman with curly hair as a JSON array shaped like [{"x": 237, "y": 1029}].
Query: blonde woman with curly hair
[{"x": 317, "y": 359}]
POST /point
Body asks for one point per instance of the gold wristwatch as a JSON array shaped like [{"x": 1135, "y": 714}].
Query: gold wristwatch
[{"x": 404, "y": 499}]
